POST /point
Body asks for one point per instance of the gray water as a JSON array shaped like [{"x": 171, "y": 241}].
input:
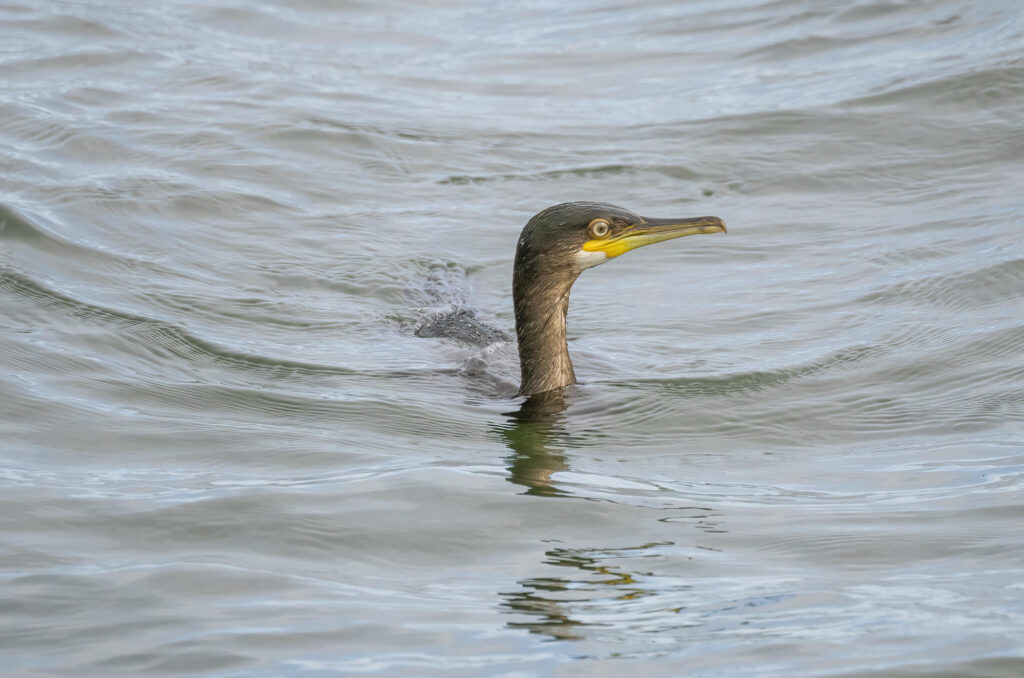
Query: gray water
[{"x": 796, "y": 449}]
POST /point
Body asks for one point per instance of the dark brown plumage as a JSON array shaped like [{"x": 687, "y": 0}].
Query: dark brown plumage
[{"x": 555, "y": 246}]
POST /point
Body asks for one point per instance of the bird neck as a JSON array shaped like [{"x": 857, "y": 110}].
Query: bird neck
[{"x": 541, "y": 305}]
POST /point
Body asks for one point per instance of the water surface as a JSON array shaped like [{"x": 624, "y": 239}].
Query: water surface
[{"x": 796, "y": 450}]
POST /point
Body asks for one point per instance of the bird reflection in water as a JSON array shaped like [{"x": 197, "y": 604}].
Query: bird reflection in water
[
  {"x": 535, "y": 435},
  {"x": 594, "y": 593},
  {"x": 594, "y": 587}
]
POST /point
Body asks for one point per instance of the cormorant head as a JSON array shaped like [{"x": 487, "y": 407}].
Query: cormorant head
[
  {"x": 567, "y": 238},
  {"x": 554, "y": 248}
]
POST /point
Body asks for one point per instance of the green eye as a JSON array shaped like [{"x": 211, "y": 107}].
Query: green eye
[{"x": 599, "y": 228}]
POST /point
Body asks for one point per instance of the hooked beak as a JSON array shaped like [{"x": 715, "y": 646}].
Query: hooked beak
[{"x": 650, "y": 231}]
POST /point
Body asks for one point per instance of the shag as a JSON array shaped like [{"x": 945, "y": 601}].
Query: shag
[{"x": 555, "y": 246}]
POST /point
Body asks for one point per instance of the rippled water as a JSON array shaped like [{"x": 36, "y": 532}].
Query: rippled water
[{"x": 797, "y": 449}]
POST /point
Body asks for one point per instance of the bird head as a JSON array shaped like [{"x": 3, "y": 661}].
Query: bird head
[{"x": 573, "y": 236}]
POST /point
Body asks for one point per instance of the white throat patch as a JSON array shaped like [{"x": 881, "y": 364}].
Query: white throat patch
[{"x": 585, "y": 259}]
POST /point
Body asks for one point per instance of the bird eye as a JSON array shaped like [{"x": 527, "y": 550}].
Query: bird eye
[{"x": 599, "y": 228}]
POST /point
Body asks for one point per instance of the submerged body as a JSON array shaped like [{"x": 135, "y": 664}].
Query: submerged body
[{"x": 555, "y": 246}]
